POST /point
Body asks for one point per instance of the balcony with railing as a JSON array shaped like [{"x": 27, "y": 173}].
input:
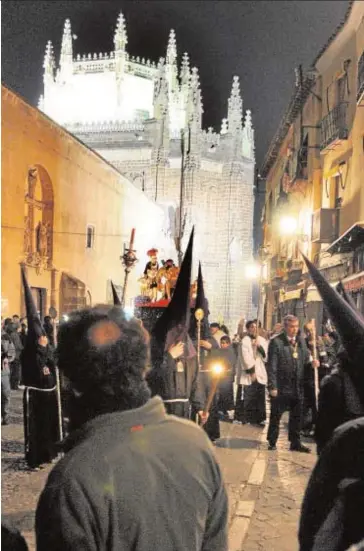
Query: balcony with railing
[
  {"x": 334, "y": 127},
  {"x": 360, "y": 92}
]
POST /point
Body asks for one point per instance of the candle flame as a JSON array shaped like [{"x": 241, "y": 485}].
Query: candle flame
[{"x": 217, "y": 369}]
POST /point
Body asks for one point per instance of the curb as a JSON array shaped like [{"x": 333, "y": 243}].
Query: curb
[{"x": 246, "y": 505}]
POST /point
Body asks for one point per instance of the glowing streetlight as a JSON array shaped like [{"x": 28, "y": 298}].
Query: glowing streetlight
[
  {"x": 252, "y": 271},
  {"x": 287, "y": 225}
]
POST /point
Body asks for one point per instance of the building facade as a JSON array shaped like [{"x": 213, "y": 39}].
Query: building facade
[
  {"x": 146, "y": 120},
  {"x": 66, "y": 216},
  {"x": 314, "y": 180}
]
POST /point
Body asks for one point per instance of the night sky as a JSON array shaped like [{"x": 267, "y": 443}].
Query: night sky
[{"x": 261, "y": 42}]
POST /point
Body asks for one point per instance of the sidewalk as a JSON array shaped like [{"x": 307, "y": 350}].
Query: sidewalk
[
  {"x": 267, "y": 517},
  {"x": 265, "y": 488}
]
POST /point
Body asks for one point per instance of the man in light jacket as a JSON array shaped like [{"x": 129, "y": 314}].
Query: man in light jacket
[{"x": 254, "y": 350}]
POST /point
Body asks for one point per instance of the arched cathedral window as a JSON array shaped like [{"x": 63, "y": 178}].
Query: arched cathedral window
[{"x": 38, "y": 223}]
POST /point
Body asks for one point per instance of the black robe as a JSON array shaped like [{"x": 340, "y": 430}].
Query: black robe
[
  {"x": 341, "y": 461},
  {"x": 338, "y": 403},
  {"x": 41, "y": 427},
  {"x": 212, "y": 426},
  {"x": 167, "y": 381}
]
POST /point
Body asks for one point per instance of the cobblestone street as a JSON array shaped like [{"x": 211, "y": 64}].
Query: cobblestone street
[{"x": 265, "y": 488}]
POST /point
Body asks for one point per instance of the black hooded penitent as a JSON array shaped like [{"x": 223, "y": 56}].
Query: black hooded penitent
[
  {"x": 177, "y": 312},
  {"x": 346, "y": 319},
  {"x": 115, "y": 296},
  {"x": 201, "y": 303},
  {"x": 35, "y": 330}
]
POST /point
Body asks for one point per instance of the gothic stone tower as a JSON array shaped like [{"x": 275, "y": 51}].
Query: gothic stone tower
[{"x": 148, "y": 124}]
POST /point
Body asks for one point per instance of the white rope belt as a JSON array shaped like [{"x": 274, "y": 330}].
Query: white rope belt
[
  {"x": 40, "y": 389},
  {"x": 176, "y": 400}
]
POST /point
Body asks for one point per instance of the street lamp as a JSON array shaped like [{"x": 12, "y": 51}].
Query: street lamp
[
  {"x": 287, "y": 225},
  {"x": 252, "y": 271}
]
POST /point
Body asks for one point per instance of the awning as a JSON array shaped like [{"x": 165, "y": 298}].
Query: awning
[
  {"x": 355, "y": 282},
  {"x": 348, "y": 241}
]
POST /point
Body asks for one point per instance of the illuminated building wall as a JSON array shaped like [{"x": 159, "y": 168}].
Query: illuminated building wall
[
  {"x": 314, "y": 177},
  {"x": 66, "y": 215}
]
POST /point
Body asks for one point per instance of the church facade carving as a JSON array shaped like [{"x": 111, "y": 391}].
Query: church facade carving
[{"x": 38, "y": 220}]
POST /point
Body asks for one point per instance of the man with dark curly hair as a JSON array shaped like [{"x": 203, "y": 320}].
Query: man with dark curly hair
[{"x": 133, "y": 477}]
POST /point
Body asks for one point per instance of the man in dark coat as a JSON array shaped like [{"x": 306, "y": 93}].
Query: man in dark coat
[
  {"x": 174, "y": 372},
  {"x": 41, "y": 421},
  {"x": 133, "y": 477},
  {"x": 287, "y": 358}
]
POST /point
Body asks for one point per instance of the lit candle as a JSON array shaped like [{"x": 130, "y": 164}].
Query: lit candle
[{"x": 132, "y": 239}]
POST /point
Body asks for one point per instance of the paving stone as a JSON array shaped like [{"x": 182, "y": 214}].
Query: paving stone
[{"x": 245, "y": 508}]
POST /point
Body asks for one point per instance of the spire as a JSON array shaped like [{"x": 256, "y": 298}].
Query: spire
[
  {"x": 120, "y": 36},
  {"x": 171, "y": 56},
  {"x": 66, "y": 48},
  {"x": 347, "y": 321},
  {"x": 161, "y": 92},
  {"x": 66, "y": 66},
  {"x": 235, "y": 107},
  {"x": 171, "y": 63},
  {"x": 178, "y": 310},
  {"x": 248, "y": 120},
  {"x": 194, "y": 105},
  {"x": 224, "y": 126},
  {"x": 185, "y": 70},
  {"x": 115, "y": 296},
  {"x": 49, "y": 62},
  {"x": 248, "y": 136}
]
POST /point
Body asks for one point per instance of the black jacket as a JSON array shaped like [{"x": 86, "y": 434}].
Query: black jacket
[
  {"x": 285, "y": 373},
  {"x": 165, "y": 381}
]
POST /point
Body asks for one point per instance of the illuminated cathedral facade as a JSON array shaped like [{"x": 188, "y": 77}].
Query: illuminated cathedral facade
[{"x": 145, "y": 118}]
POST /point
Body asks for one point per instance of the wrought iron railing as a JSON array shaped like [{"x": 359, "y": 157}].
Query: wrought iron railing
[
  {"x": 334, "y": 126},
  {"x": 360, "y": 91}
]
